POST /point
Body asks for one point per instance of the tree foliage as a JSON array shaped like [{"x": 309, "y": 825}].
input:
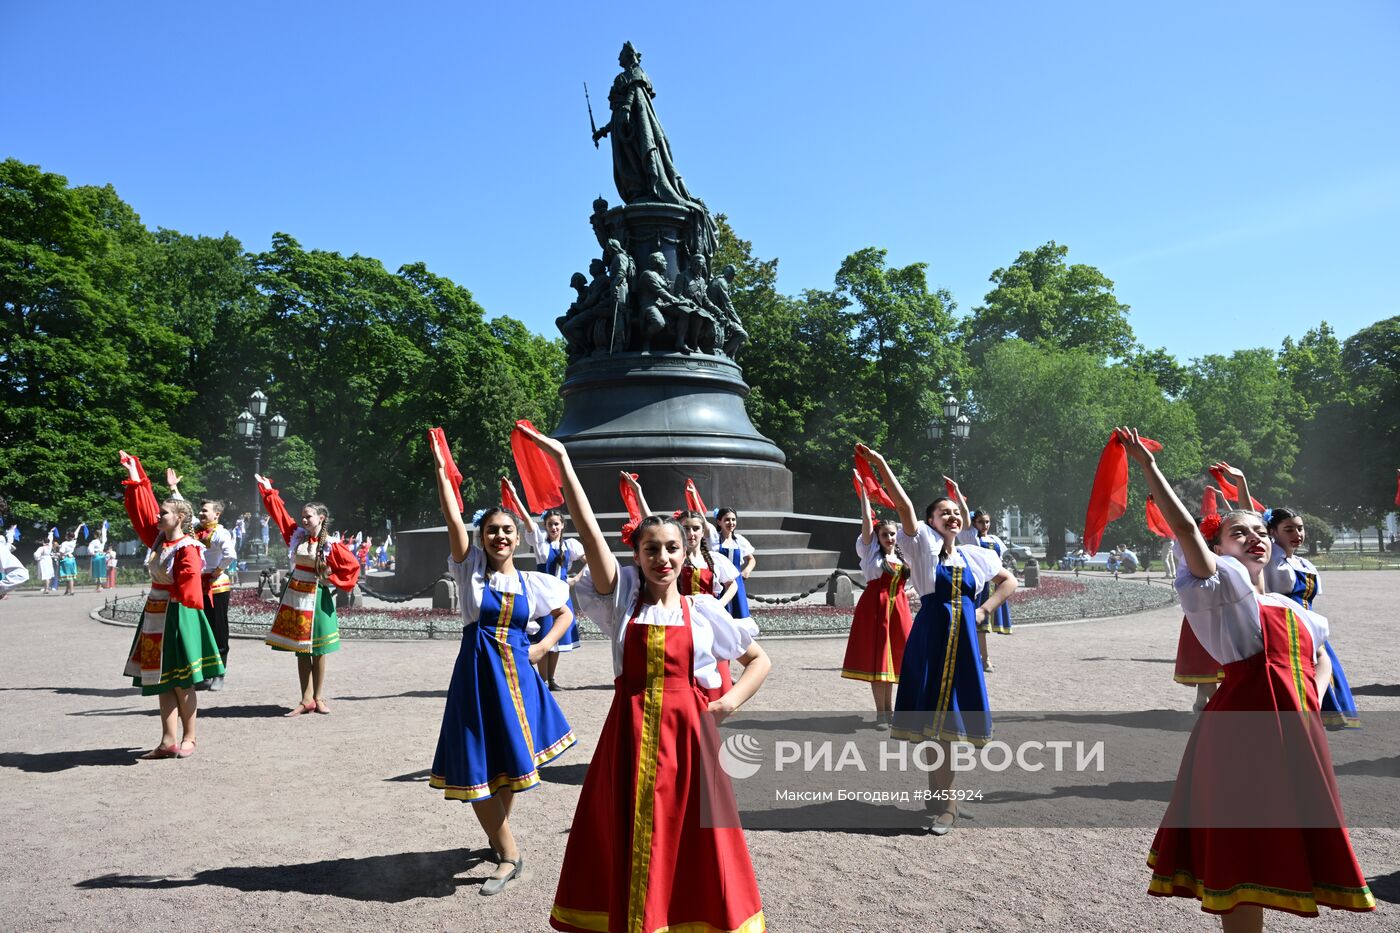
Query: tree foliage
[
  {"x": 1042, "y": 300},
  {"x": 117, "y": 337},
  {"x": 1043, "y": 417}
]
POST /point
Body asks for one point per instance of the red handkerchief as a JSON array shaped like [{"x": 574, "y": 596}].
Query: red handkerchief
[
  {"x": 1108, "y": 500},
  {"x": 510, "y": 503},
  {"x": 873, "y": 490},
  {"x": 693, "y": 502},
  {"x": 539, "y": 474},
  {"x": 454, "y": 476},
  {"x": 1156, "y": 521},
  {"x": 1232, "y": 492},
  {"x": 634, "y": 509}
]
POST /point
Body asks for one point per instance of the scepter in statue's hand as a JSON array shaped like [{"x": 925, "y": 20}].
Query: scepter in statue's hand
[{"x": 591, "y": 122}]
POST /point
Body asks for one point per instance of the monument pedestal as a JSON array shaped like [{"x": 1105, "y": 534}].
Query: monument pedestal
[{"x": 669, "y": 417}]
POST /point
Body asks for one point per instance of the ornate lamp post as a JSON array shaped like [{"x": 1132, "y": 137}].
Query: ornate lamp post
[
  {"x": 251, "y": 426},
  {"x": 956, "y": 429}
]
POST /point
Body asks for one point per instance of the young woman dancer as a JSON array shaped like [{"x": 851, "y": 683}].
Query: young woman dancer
[
  {"x": 561, "y": 558},
  {"x": 942, "y": 694},
  {"x": 43, "y": 567},
  {"x": 725, "y": 540},
  {"x": 978, "y": 533},
  {"x": 500, "y": 723},
  {"x": 880, "y": 628},
  {"x": 68, "y": 562},
  {"x": 174, "y": 648},
  {"x": 638, "y": 856},
  {"x": 1213, "y": 844},
  {"x": 99, "y": 564},
  {"x": 1194, "y": 665},
  {"x": 702, "y": 574},
  {"x": 1297, "y": 578},
  {"x": 306, "y": 622}
]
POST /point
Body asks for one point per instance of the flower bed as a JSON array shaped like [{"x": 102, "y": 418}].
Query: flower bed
[{"x": 1056, "y": 599}]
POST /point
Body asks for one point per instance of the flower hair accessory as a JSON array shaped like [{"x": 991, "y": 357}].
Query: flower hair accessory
[
  {"x": 1210, "y": 526},
  {"x": 476, "y": 517},
  {"x": 1267, "y": 516},
  {"x": 677, "y": 514}
]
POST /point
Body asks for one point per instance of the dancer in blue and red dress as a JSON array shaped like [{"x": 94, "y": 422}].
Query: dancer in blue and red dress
[
  {"x": 1226, "y": 838},
  {"x": 174, "y": 648},
  {"x": 1297, "y": 578},
  {"x": 942, "y": 694},
  {"x": 977, "y": 532},
  {"x": 641, "y": 857},
  {"x": 725, "y": 540},
  {"x": 500, "y": 723},
  {"x": 558, "y": 557},
  {"x": 880, "y": 627}
]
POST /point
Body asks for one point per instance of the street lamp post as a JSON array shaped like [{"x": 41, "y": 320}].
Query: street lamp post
[
  {"x": 956, "y": 430},
  {"x": 251, "y": 426}
]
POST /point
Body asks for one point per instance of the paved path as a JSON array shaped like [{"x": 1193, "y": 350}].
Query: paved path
[{"x": 326, "y": 822}]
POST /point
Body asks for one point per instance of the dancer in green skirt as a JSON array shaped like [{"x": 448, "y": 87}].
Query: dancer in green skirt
[
  {"x": 306, "y": 621},
  {"x": 174, "y": 648}
]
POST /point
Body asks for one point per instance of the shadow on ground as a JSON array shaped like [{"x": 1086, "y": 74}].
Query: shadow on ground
[
  {"x": 247, "y": 711},
  {"x": 411, "y": 694},
  {"x": 1377, "y": 690},
  {"x": 50, "y": 762},
  {"x": 388, "y": 879},
  {"x": 85, "y": 691}
]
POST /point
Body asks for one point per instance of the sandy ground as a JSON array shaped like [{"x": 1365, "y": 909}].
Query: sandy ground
[{"x": 327, "y": 823}]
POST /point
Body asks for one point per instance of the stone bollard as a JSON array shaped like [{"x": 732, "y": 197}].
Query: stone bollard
[
  {"x": 1030, "y": 576},
  {"x": 350, "y": 599},
  {"x": 445, "y": 594},
  {"x": 839, "y": 592}
]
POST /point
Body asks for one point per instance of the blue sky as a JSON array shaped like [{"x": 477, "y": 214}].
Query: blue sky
[{"x": 1233, "y": 167}]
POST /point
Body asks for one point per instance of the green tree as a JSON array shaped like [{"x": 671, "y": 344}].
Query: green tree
[
  {"x": 1354, "y": 444},
  {"x": 373, "y": 359},
  {"x": 1313, "y": 367},
  {"x": 292, "y": 465},
  {"x": 1043, "y": 418},
  {"x": 1244, "y": 406},
  {"x": 89, "y": 361},
  {"x": 1169, "y": 375},
  {"x": 1042, "y": 300}
]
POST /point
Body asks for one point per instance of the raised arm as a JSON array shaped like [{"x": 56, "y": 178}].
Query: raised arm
[
  {"x": 641, "y": 496},
  {"x": 1200, "y": 559},
  {"x": 908, "y": 518},
  {"x": 950, "y": 483},
  {"x": 276, "y": 509},
  {"x": 1246, "y": 501},
  {"x": 867, "y": 528},
  {"x": 141, "y": 505},
  {"x": 458, "y": 536},
  {"x": 602, "y": 565},
  {"x": 527, "y": 520}
]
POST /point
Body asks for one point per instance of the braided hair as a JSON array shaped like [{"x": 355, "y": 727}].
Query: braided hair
[
  {"x": 654, "y": 521},
  {"x": 704, "y": 545},
  {"x": 179, "y": 506},
  {"x": 322, "y": 535},
  {"x": 552, "y": 513},
  {"x": 898, "y": 551}
]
